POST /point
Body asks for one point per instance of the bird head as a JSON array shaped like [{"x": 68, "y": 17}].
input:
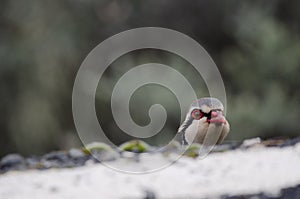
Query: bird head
[{"x": 203, "y": 113}]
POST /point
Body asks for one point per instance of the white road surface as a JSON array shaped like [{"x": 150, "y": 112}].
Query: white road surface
[{"x": 235, "y": 172}]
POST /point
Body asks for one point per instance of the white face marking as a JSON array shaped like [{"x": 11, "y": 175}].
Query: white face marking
[{"x": 205, "y": 109}]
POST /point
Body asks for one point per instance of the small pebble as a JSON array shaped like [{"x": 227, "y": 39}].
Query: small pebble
[
  {"x": 251, "y": 142},
  {"x": 76, "y": 153}
]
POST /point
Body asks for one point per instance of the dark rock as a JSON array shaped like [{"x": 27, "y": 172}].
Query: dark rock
[
  {"x": 291, "y": 142},
  {"x": 12, "y": 162},
  {"x": 290, "y": 193},
  {"x": 56, "y": 156},
  {"x": 57, "y": 159}
]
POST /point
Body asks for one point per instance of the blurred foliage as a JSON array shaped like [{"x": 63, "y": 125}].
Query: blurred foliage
[
  {"x": 255, "y": 44},
  {"x": 264, "y": 98}
]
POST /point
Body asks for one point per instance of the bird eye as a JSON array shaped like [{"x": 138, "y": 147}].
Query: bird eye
[{"x": 196, "y": 114}]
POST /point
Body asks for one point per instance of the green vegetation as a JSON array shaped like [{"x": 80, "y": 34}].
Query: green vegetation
[{"x": 136, "y": 146}]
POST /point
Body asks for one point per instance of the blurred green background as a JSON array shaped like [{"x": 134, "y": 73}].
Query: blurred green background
[{"x": 255, "y": 44}]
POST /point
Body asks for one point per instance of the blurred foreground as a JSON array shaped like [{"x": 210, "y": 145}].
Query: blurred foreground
[{"x": 255, "y": 169}]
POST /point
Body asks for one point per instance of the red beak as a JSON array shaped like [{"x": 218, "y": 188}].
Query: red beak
[{"x": 217, "y": 117}]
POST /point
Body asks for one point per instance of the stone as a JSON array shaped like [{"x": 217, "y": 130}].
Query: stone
[{"x": 12, "y": 161}]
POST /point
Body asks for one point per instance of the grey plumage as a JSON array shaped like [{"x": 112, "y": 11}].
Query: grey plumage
[{"x": 204, "y": 119}]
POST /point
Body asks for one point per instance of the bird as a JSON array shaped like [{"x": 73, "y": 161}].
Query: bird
[{"x": 205, "y": 123}]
